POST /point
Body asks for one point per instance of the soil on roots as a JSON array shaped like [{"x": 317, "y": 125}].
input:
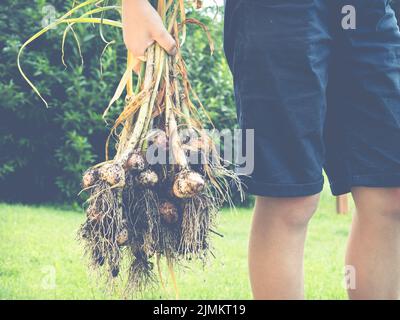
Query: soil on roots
[{"x": 103, "y": 225}]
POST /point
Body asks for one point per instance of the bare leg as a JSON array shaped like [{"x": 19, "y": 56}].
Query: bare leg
[
  {"x": 277, "y": 245},
  {"x": 374, "y": 244}
]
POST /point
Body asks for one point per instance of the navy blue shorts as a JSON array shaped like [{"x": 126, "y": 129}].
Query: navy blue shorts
[{"x": 318, "y": 96}]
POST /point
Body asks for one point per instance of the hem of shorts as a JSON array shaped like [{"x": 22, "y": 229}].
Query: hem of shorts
[
  {"x": 374, "y": 181},
  {"x": 283, "y": 190}
]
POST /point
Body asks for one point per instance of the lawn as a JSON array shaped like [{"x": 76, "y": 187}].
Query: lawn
[{"x": 41, "y": 259}]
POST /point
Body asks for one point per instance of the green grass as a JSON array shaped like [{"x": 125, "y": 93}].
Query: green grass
[{"x": 39, "y": 242}]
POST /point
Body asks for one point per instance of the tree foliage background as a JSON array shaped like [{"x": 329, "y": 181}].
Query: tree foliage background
[{"x": 43, "y": 152}]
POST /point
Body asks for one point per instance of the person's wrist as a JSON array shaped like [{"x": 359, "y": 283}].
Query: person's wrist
[
  {"x": 138, "y": 1},
  {"x": 134, "y": 2}
]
